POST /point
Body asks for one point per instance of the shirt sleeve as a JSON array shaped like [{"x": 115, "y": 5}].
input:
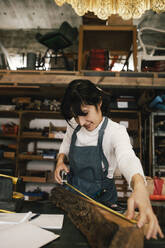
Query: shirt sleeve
[
  {"x": 128, "y": 163},
  {"x": 65, "y": 145}
]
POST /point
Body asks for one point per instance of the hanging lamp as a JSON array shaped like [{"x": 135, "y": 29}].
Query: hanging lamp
[{"x": 104, "y": 8}]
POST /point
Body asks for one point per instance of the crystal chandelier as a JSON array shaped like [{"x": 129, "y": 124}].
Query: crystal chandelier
[{"x": 104, "y": 8}]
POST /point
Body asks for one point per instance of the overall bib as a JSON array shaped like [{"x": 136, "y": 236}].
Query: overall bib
[{"x": 86, "y": 172}]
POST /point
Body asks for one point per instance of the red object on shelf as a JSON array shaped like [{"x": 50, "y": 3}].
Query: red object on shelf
[
  {"x": 157, "y": 197},
  {"x": 9, "y": 129},
  {"x": 98, "y": 59},
  {"x": 158, "y": 189},
  {"x": 158, "y": 186}
]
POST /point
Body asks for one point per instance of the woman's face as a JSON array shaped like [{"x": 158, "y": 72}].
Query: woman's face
[{"x": 92, "y": 118}]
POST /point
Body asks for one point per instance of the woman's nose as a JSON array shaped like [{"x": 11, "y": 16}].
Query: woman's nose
[{"x": 81, "y": 120}]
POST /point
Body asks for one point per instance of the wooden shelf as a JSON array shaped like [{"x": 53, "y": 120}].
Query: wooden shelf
[
  {"x": 117, "y": 39},
  {"x": 34, "y": 179},
  {"x": 34, "y": 157},
  {"x": 8, "y": 136},
  {"x": 12, "y": 113},
  {"x": 55, "y": 81},
  {"x": 39, "y": 138},
  {"x": 159, "y": 133}
]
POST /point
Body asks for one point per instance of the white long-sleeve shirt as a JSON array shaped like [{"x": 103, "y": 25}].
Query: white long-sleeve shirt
[{"x": 116, "y": 147}]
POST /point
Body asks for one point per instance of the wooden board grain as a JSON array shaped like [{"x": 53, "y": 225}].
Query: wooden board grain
[{"x": 102, "y": 228}]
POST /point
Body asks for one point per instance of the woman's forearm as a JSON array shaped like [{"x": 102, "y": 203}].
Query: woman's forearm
[
  {"x": 137, "y": 181},
  {"x": 61, "y": 157}
]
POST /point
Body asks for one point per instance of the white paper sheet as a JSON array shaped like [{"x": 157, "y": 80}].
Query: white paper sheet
[
  {"x": 14, "y": 218},
  {"x": 25, "y": 235},
  {"x": 49, "y": 221}
]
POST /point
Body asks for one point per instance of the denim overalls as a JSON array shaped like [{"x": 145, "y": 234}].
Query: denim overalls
[{"x": 86, "y": 172}]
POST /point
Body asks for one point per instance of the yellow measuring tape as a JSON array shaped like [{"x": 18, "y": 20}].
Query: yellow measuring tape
[
  {"x": 6, "y": 211},
  {"x": 101, "y": 205},
  {"x": 14, "y": 179},
  {"x": 18, "y": 195}
]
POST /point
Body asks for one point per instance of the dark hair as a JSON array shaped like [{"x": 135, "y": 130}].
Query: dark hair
[{"x": 81, "y": 92}]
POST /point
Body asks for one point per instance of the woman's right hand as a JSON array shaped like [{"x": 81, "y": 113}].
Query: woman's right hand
[{"x": 60, "y": 166}]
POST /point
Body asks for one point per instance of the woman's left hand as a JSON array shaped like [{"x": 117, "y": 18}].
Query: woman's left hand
[{"x": 140, "y": 199}]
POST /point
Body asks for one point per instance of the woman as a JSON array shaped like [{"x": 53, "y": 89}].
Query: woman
[{"x": 95, "y": 147}]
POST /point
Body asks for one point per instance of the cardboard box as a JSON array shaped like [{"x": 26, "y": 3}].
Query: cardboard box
[
  {"x": 130, "y": 124},
  {"x": 9, "y": 154},
  {"x": 117, "y": 20}
]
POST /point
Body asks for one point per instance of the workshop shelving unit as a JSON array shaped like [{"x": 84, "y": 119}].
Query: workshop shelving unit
[
  {"x": 157, "y": 143},
  {"x": 20, "y": 157},
  {"x": 37, "y": 86},
  {"x": 26, "y": 137},
  {"x": 131, "y": 119},
  {"x": 8, "y": 142}
]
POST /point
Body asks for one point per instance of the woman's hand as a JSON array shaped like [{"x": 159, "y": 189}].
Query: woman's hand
[
  {"x": 140, "y": 199},
  {"x": 60, "y": 166}
]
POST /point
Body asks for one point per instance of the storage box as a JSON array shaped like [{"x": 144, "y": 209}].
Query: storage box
[
  {"x": 9, "y": 154},
  {"x": 9, "y": 129},
  {"x": 131, "y": 124},
  {"x": 7, "y": 107},
  {"x": 118, "y": 20},
  {"x": 33, "y": 196},
  {"x": 122, "y": 188},
  {"x": 91, "y": 19},
  {"x": 123, "y": 104},
  {"x": 98, "y": 59}
]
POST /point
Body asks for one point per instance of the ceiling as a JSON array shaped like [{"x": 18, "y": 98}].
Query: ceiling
[{"x": 35, "y": 14}]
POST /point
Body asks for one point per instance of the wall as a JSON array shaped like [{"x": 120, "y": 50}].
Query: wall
[{"x": 21, "y": 20}]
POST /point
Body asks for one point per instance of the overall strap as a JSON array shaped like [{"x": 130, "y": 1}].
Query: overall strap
[
  {"x": 74, "y": 137},
  {"x": 100, "y": 140}
]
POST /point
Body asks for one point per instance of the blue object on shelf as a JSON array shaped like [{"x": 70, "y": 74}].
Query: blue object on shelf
[{"x": 156, "y": 100}]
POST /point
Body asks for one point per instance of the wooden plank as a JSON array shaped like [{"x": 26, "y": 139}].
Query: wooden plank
[
  {"x": 102, "y": 228},
  {"x": 18, "y": 87},
  {"x": 33, "y": 78},
  {"x": 34, "y": 179},
  {"x": 108, "y": 28}
]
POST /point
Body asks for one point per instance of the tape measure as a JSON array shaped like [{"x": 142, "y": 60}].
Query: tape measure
[
  {"x": 6, "y": 211},
  {"x": 18, "y": 195},
  {"x": 101, "y": 205},
  {"x": 14, "y": 179}
]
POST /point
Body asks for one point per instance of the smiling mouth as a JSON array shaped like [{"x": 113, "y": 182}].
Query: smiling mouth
[{"x": 88, "y": 126}]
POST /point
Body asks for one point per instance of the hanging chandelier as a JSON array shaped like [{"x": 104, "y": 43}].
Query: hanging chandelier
[{"x": 127, "y": 9}]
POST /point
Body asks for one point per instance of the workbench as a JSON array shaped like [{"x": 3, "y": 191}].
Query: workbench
[{"x": 70, "y": 236}]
